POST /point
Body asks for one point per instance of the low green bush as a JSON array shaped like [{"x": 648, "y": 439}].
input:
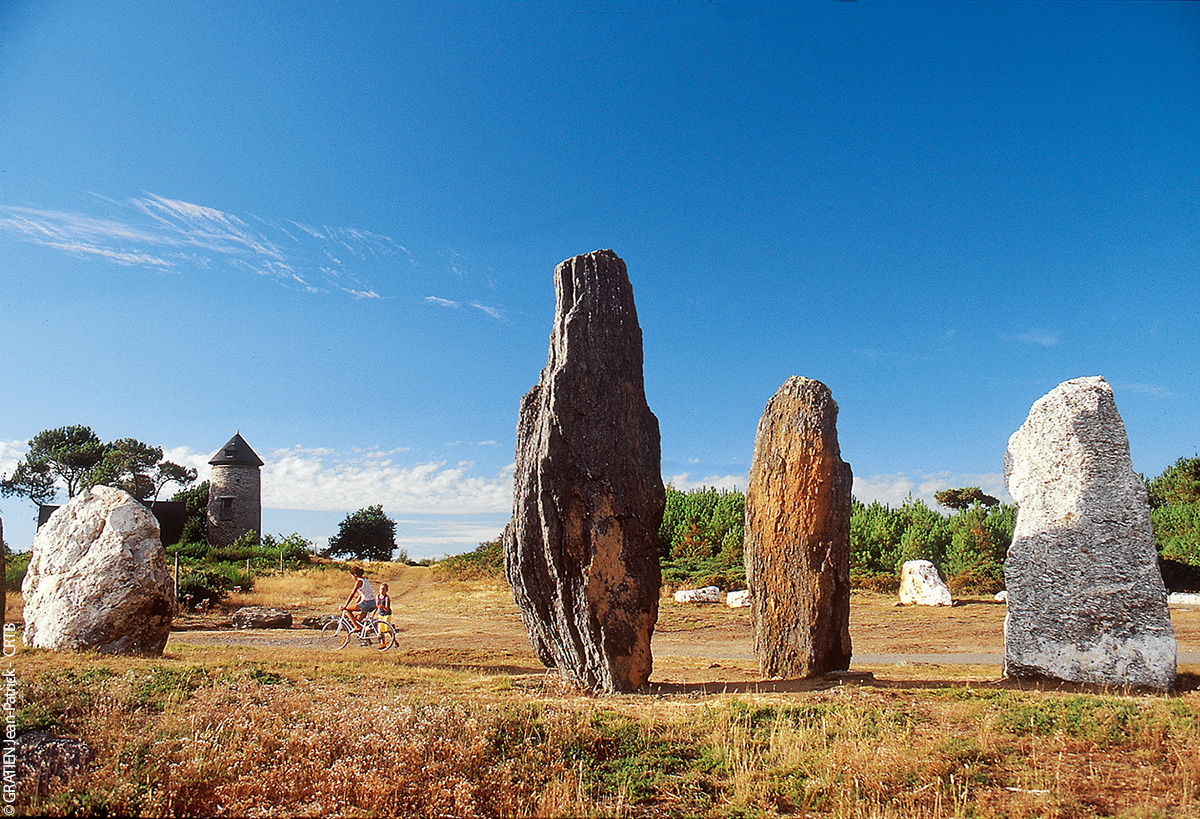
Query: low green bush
[
  {"x": 15, "y": 566},
  {"x": 487, "y": 561},
  {"x": 212, "y": 583}
]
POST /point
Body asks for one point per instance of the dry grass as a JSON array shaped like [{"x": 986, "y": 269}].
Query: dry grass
[
  {"x": 209, "y": 734},
  {"x": 460, "y": 726}
]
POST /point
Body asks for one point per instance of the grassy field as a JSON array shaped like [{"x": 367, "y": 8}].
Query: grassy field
[{"x": 461, "y": 720}]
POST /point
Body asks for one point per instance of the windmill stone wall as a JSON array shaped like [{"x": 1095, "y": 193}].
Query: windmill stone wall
[{"x": 234, "y": 493}]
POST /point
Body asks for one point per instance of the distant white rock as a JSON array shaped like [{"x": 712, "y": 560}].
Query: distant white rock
[
  {"x": 921, "y": 585},
  {"x": 708, "y": 594},
  {"x": 98, "y": 578},
  {"x": 738, "y": 599},
  {"x": 1001, "y": 596},
  {"x": 1183, "y": 599}
]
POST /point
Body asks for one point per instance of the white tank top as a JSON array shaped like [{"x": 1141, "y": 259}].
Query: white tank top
[{"x": 366, "y": 591}]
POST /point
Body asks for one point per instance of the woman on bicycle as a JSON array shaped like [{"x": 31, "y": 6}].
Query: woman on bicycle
[{"x": 366, "y": 597}]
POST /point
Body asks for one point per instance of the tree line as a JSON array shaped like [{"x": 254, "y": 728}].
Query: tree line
[{"x": 700, "y": 540}]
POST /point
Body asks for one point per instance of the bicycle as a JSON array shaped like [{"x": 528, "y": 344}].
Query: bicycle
[{"x": 337, "y": 632}]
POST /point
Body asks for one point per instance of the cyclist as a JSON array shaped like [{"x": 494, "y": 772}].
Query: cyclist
[{"x": 366, "y": 597}]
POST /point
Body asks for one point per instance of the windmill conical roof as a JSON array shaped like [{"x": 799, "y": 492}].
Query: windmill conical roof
[{"x": 236, "y": 453}]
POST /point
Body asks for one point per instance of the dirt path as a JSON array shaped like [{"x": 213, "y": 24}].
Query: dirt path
[{"x": 478, "y": 626}]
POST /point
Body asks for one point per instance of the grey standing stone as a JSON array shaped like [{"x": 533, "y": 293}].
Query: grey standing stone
[
  {"x": 798, "y": 535},
  {"x": 98, "y": 578},
  {"x": 1086, "y": 601},
  {"x": 581, "y": 551}
]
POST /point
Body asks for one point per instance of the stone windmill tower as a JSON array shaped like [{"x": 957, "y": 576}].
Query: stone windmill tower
[{"x": 234, "y": 493}]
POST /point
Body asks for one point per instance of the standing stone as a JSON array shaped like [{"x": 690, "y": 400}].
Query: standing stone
[
  {"x": 98, "y": 578},
  {"x": 581, "y": 551},
  {"x": 798, "y": 535},
  {"x": 1086, "y": 601}
]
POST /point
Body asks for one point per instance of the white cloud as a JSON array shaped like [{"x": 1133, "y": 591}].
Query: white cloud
[
  {"x": 186, "y": 456},
  {"x": 10, "y": 453},
  {"x": 442, "y": 302},
  {"x": 894, "y": 489},
  {"x": 430, "y": 538},
  {"x": 1040, "y": 337},
  {"x": 300, "y": 478}
]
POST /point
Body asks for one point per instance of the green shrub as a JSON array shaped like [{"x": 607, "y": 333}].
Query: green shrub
[
  {"x": 203, "y": 585},
  {"x": 188, "y": 550},
  {"x": 703, "y": 523},
  {"x": 1177, "y": 532},
  {"x": 697, "y": 572},
  {"x": 487, "y": 561},
  {"x": 213, "y": 583},
  {"x": 979, "y": 541},
  {"x": 15, "y": 566},
  {"x": 1178, "y": 485}
]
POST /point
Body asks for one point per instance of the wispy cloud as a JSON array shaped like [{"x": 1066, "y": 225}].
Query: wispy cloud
[
  {"x": 170, "y": 235},
  {"x": 1041, "y": 337},
  {"x": 1145, "y": 389},
  {"x": 492, "y": 312}
]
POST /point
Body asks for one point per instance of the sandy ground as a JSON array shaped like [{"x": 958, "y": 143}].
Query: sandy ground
[{"x": 697, "y": 648}]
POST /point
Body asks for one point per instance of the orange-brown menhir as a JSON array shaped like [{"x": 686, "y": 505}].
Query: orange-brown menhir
[{"x": 798, "y": 535}]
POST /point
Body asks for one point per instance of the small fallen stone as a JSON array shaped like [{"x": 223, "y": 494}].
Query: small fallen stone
[{"x": 261, "y": 617}]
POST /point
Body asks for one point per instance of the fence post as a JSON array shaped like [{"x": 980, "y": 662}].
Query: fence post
[{"x": 177, "y": 581}]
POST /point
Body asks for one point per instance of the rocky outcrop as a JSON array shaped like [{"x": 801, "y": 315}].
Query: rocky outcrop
[
  {"x": 1086, "y": 601},
  {"x": 260, "y": 617},
  {"x": 581, "y": 551},
  {"x": 98, "y": 578},
  {"x": 798, "y": 535},
  {"x": 921, "y": 585}
]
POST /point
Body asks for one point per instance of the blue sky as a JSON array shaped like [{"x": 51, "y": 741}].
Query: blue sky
[{"x": 333, "y": 227}]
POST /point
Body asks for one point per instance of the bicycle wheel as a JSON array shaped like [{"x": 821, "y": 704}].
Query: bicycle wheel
[
  {"x": 335, "y": 635},
  {"x": 387, "y": 635}
]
